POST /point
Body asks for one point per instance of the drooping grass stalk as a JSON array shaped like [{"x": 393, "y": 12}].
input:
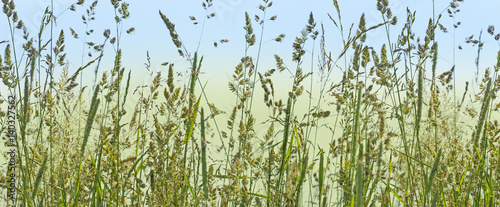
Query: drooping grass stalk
[
  {"x": 195, "y": 70},
  {"x": 264, "y": 8},
  {"x": 179, "y": 44}
]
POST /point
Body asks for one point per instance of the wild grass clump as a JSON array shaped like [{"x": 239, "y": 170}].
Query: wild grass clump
[{"x": 390, "y": 132}]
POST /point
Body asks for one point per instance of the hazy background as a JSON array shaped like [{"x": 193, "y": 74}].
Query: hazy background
[{"x": 152, "y": 35}]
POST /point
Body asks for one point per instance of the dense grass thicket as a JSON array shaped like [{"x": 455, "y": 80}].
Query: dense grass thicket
[{"x": 394, "y": 132}]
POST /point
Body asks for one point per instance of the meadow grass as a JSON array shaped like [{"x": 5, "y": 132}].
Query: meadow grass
[{"x": 393, "y": 138}]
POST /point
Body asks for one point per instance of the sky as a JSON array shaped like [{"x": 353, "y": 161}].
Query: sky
[{"x": 151, "y": 36}]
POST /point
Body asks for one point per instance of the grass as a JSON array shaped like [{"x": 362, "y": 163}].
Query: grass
[{"x": 394, "y": 138}]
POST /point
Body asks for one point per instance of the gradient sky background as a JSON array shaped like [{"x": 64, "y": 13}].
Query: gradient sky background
[{"x": 152, "y": 35}]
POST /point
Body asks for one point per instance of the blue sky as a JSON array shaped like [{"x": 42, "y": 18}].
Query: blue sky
[{"x": 152, "y": 35}]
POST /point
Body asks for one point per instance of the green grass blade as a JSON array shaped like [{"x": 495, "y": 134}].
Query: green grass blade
[
  {"x": 204, "y": 156},
  {"x": 359, "y": 185},
  {"x": 132, "y": 169},
  {"x": 355, "y": 134},
  {"x": 321, "y": 175},
  {"x": 126, "y": 90},
  {"x": 92, "y": 112},
  {"x": 433, "y": 172},
  {"x": 39, "y": 177},
  {"x": 394, "y": 193},
  {"x": 482, "y": 115}
]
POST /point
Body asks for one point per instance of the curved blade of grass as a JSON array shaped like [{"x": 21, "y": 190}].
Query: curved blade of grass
[
  {"x": 132, "y": 169},
  {"x": 258, "y": 195},
  {"x": 190, "y": 188},
  {"x": 463, "y": 176},
  {"x": 39, "y": 177},
  {"x": 394, "y": 193},
  {"x": 73, "y": 77},
  {"x": 433, "y": 172},
  {"x": 92, "y": 112}
]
